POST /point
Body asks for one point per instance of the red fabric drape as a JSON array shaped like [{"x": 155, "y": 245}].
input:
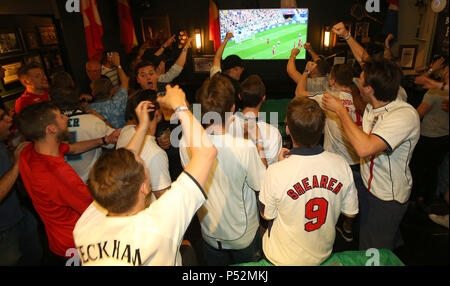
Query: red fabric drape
[
  {"x": 127, "y": 34},
  {"x": 214, "y": 28},
  {"x": 93, "y": 29}
]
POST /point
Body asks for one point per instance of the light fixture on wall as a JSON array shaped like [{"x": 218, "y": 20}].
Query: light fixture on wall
[
  {"x": 326, "y": 38},
  {"x": 198, "y": 40}
]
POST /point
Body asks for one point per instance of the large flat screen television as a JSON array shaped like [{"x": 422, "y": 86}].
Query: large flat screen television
[{"x": 264, "y": 34}]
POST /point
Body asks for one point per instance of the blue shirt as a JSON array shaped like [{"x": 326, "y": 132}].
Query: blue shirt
[
  {"x": 10, "y": 209},
  {"x": 113, "y": 109}
]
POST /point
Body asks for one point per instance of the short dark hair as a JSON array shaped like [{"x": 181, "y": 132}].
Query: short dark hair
[
  {"x": 65, "y": 98},
  {"x": 232, "y": 61},
  {"x": 23, "y": 70},
  {"x": 252, "y": 91},
  {"x": 143, "y": 64},
  {"x": 342, "y": 74},
  {"x": 216, "y": 95},
  {"x": 384, "y": 77},
  {"x": 102, "y": 88},
  {"x": 34, "y": 119},
  {"x": 133, "y": 102},
  {"x": 115, "y": 179},
  {"x": 306, "y": 121},
  {"x": 323, "y": 66}
]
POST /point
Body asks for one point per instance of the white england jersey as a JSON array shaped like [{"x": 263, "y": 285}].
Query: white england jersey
[
  {"x": 270, "y": 136},
  {"x": 230, "y": 215},
  {"x": 335, "y": 139},
  {"x": 304, "y": 195},
  {"x": 85, "y": 127},
  {"x": 386, "y": 174},
  {"x": 154, "y": 157},
  {"x": 151, "y": 238}
]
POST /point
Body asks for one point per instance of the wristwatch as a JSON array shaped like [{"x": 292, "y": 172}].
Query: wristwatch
[
  {"x": 347, "y": 37},
  {"x": 181, "y": 108}
]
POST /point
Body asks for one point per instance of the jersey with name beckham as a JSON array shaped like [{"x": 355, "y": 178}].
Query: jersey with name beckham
[
  {"x": 150, "y": 238},
  {"x": 304, "y": 195}
]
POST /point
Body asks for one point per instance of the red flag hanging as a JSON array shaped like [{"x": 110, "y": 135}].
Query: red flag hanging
[
  {"x": 214, "y": 28},
  {"x": 127, "y": 34},
  {"x": 93, "y": 29}
]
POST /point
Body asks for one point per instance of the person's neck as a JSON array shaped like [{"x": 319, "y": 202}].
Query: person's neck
[
  {"x": 343, "y": 88},
  {"x": 251, "y": 110},
  {"x": 376, "y": 103},
  {"x": 34, "y": 90},
  {"x": 108, "y": 65},
  {"x": 138, "y": 207},
  {"x": 47, "y": 146}
]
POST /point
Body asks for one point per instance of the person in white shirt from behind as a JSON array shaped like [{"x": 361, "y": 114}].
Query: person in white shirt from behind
[
  {"x": 126, "y": 232},
  {"x": 252, "y": 95},
  {"x": 229, "y": 218},
  {"x": 155, "y": 158}
]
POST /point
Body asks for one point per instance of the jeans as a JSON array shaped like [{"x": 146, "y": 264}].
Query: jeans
[
  {"x": 20, "y": 244},
  {"x": 224, "y": 257}
]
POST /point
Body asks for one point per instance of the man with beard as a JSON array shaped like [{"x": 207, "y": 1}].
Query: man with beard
[
  {"x": 35, "y": 81},
  {"x": 57, "y": 192}
]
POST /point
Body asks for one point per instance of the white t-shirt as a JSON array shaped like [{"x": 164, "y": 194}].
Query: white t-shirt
[
  {"x": 304, "y": 195},
  {"x": 386, "y": 174},
  {"x": 112, "y": 75},
  {"x": 230, "y": 214},
  {"x": 270, "y": 135},
  {"x": 151, "y": 238},
  {"x": 85, "y": 127},
  {"x": 154, "y": 157},
  {"x": 335, "y": 140},
  {"x": 435, "y": 122}
]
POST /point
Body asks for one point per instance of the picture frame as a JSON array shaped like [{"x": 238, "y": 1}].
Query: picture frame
[
  {"x": 48, "y": 35},
  {"x": 11, "y": 43},
  {"x": 33, "y": 59},
  {"x": 408, "y": 54},
  {"x": 11, "y": 71},
  {"x": 203, "y": 64},
  {"x": 362, "y": 30},
  {"x": 155, "y": 28},
  {"x": 32, "y": 40}
]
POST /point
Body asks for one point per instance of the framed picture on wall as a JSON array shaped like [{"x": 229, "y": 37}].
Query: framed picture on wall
[
  {"x": 10, "y": 43},
  {"x": 32, "y": 39},
  {"x": 33, "y": 59},
  {"x": 362, "y": 30},
  {"x": 203, "y": 64},
  {"x": 48, "y": 35},
  {"x": 408, "y": 55},
  {"x": 11, "y": 70},
  {"x": 155, "y": 28}
]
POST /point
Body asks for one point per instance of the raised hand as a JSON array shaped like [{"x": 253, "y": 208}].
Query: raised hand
[
  {"x": 295, "y": 52},
  {"x": 174, "y": 97},
  {"x": 340, "y": 30}
]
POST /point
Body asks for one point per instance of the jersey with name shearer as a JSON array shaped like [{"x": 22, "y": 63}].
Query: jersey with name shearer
[
  {"x": 83, "y": 127},
  {"x": 151, "y": 237},
  {"x": 386, "y": 174},
  {"x": 304, "y": 195}
]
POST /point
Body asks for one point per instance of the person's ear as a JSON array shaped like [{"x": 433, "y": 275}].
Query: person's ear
[
  {"x": 239, "y": 95},
  {"x": 264, "y": 98},
  {"x": 233, "y": 108},
  {"x": 144, "y": 189},
  {"x": 51, "y": 129},
  {"x": 287, "y": 131}
]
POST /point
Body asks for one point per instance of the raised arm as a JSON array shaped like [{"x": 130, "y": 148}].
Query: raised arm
[
  {"x": 142, "y": 113},
  {"x": 164, "y": 46},
  {"x": 387, "y": 47},
  {"x": 124, "y": 79},
  {"x": 364, "y": 144},
  {"x": 315, "y": 57},
  {"x": 291, "y": 68},
  {"x": 358, "y": 51},
  {"x": 202, "y": 150},
  {"x": 182, "y": 58},
  {"x": 218, "y": 56},
  {"x": 301, "y": 86}
]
